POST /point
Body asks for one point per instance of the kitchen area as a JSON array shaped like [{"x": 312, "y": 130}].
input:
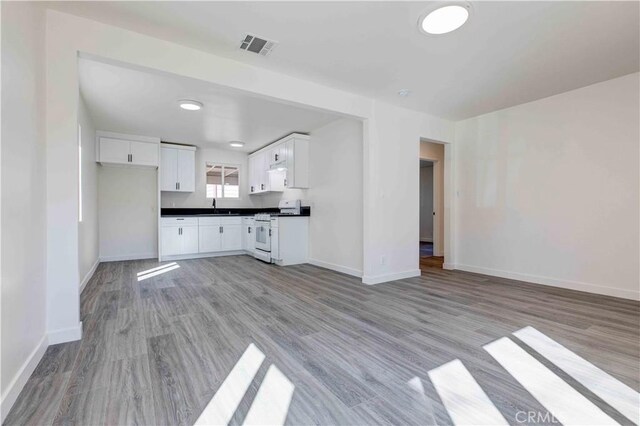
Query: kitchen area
[{"x": 176, "y": 169}]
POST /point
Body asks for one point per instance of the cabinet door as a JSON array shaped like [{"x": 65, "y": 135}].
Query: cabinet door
[
  {"x": 171, "y": 241},
  {"x": 189, "y": 239},
  {"x": 231, "y": 237},
  {"x": 168, "y": 169},
  {"x": 114, "y": 151},
  {"x": 252, "y": 175},
  {"x": 209, "y": 239},
  {"x": 144, "y": 153},
  {"x": 186, "y": 170},
  {"x": 264, "y": 172}
]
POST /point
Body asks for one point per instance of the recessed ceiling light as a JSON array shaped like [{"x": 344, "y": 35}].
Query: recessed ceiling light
[
  {"x": 236, "y": 144},
  {"x": 404, "y": 92},
  {"x": 190, "y": 105},
  {"x": 445, "y": 19}
]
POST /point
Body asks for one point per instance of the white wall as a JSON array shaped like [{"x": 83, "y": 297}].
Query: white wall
[
  {"x": 335, "y": 196},
  {"x": 88, "y": 249},
  {"x": 548, "y": 191},
  {"x": 198, "y": 198},
  {"x": 127, "y": 201},
  {"x": 426, "y": 203},
  {"x": 23, "y": 179}
]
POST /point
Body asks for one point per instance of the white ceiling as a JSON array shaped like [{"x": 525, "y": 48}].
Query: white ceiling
[
  {"x": 508, "y": 53},
  {"x": 137, "y": 102}
]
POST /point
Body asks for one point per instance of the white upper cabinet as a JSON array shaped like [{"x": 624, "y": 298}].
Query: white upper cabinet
[
  {"x": 115, "y": 148},
  {"x": 186, "y": 170},
  {"x": 297, "y": 164},
  {"x": 282, "y": 164},
  {"x": 177, "y": 168}
]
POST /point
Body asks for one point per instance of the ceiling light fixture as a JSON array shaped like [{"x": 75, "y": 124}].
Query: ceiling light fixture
[
  {"x": 404, "y": 92},
  {"x": 444, "y": 19},
  {"x": 236, "y": 144},
  {"x": 190, "y": 105}
]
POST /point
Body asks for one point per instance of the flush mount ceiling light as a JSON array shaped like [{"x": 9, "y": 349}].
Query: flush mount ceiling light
[
  {"x": 444, "y": 18},
  {"x": 236, "y": 144},
  {"x": 404, "y": 92},
  {"x": 190, "y": 105}
]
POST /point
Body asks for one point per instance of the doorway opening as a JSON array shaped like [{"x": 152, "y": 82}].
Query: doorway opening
[{"x": 431, "y": 205}]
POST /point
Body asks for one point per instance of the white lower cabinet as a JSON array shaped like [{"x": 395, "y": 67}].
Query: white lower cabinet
[
  {"x": 212, "y": 234},
  {"x": 248, "y": 235},
  {"x": 179, "y": 236},
  {"x": 220, "y": 234},
  {"x": 231, "y": 237},
  {"x": 209, "y": 238}
]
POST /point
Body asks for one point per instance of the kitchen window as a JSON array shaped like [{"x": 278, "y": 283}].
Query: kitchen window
[{"x": 223, "y": 181}]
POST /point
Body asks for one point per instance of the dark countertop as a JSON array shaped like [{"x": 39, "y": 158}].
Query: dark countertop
[{"x": 222, "y": 212}]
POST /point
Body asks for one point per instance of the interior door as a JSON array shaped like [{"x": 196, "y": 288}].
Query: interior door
[
  {"x": 114, "y": 151},
  {"x": 189, "y": 239},
  {"x": 231, "y": 237},
  {"x": 168, "y": 169},
  {"x": 209, "y": 238},
  {"x": 144, "y": 153},
  {"x": 186, "y": 170}
]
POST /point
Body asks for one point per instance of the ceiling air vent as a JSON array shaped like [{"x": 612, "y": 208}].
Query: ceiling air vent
[{"x": 255, "y": 44}]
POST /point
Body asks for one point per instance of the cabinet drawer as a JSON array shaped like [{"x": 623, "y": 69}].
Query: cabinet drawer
[
  {"x": 209, "y": 221},
  {"x": 237, "y": 220},
  {"x": 179, "y": 221},
  {"x": 247, "y": 221}
]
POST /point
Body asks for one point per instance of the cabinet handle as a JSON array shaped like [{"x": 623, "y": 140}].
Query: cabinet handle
[
  {"x": 269, "y": 232},
  {"x": 252, "y": 189},
  {"x": 285, "y": 182},
  {"x": 131, "y": 155},
  {"x": 221, "y": 229},
  {"x": 249, "y": 230},
  {"x": 176, "y": 185},
  {"x": 276, "y": 157},
  {"x": 262, "y": 186}
]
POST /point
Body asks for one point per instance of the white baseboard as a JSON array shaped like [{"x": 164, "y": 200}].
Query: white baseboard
[
  {"x": 203, "y": 255},
  {"x": 338, "y": 268},
  {"x": 552, "y": 282},
  {"x": 65, "y": 335},
  {"x": 87, "y": 277},
  {"x": 140, "y": 256},
  {"x": 20, "y": 379},
  {"x": 378, "y": 279},
  {"x": 449, "y": 266}
]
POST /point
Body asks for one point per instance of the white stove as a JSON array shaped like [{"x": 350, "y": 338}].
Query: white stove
[{"x": 266, "y": 226}]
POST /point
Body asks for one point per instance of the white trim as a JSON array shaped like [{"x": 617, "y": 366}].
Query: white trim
[
  {"x": 20, "y": 379},
  {"x": 378, "y": 279},
  {"x": 449, "y": 266},
  {"x": 552, "y": 282},
  {"x": 87, "y": 277},
  {"x": 338, "y": 268},
  {"x": 65, "y": 335},
  {"x": 140, "y": 256}
]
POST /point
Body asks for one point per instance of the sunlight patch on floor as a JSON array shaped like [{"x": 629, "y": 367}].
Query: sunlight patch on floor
[
  {"x": 157, "y": 271},
  {"x": 462, "y": 396},
  {"x": 610, "y": 390},
  {"x": 566, "y": 404},
  {"x": 271, "y": 403}
]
